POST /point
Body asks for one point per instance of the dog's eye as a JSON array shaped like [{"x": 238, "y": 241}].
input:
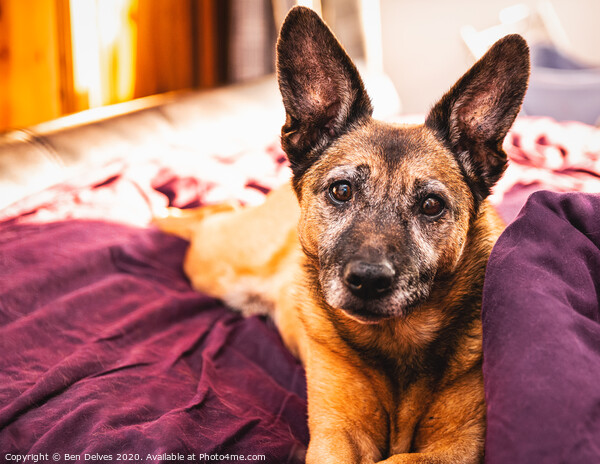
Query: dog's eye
[
  {"x": 432, "y": 206},
  {"x": 341, "y": 191}
]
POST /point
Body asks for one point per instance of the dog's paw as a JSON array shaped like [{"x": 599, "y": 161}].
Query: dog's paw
[{"x": 181, "y": 222}]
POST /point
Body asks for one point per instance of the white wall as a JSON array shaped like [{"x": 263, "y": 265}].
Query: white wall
[{"x": 424, "y": 54}]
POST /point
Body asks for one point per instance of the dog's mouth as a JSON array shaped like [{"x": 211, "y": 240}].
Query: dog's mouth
[
  {"x": 364, "y": 316},
  {"x": 397, "y": 304},
  {"x": 373, "y": 307}
]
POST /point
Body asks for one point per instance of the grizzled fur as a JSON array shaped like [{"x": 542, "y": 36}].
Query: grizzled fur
[
  {"x": 329, "y": 136},
  {"x": 394, "y": 264}
]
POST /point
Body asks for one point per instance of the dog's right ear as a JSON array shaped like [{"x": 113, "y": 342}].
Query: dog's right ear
[{"x": 322, "y": 91}]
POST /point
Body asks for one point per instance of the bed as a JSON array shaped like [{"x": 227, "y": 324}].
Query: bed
[{"x": 109, "y": 355}]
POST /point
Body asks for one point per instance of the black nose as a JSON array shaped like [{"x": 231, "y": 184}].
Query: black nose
[{"x": 369, "y": 280}]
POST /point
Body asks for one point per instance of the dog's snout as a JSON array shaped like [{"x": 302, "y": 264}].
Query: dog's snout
[{"x": 367, "y": 279}]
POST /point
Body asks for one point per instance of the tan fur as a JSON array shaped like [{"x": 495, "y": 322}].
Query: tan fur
[
  {"x": 356, "y": 405},
  {"x": 394, "y": 371}
]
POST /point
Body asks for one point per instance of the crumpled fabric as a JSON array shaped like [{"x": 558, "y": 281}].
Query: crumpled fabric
[{"x": 541, "y": 334}]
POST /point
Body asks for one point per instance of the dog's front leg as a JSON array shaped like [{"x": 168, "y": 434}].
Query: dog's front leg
[
  {"x": 452, "y": 429},
  {"x": 347, "y": 420},
  {"x": 432, "y": 458}
]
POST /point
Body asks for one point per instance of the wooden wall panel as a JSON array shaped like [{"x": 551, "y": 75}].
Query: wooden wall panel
[
  {"x": 62, "y": 56},
  {"x": 211, "y": 41},
  {"x": 68, "y": 97},
  {"x": 29, "y": 71},
  {"x": 118, "y": 47},
  {"x": 103, "y": 47},
  {"x": 164, "y": 46}
]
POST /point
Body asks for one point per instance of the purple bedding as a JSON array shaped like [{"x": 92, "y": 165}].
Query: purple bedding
[
  {"x": 541, "y": 323},
  {"x": 119, "y": 356},
  {"x": 106, "y": 350}
]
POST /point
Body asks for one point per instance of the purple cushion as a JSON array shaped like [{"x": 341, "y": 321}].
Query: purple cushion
[{"x": 541, "y": 329}]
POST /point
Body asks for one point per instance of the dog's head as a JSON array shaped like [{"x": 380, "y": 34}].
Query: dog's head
[{"x": 386, "y": 209}]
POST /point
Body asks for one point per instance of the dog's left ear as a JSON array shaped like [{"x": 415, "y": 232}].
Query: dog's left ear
[
  {"x": 322, "y": 91},
  {"x": 476, "y": 114}
]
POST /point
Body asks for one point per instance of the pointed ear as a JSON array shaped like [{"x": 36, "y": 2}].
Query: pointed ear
[
  {"x": 475, "y": 115},
  {"x": 322, "y": 91}
]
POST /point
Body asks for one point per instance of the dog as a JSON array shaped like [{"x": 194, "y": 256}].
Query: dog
[{"x": 371, "y": 262}]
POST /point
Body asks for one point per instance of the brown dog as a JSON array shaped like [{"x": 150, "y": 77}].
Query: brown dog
[{"x": 375, "y": 279}]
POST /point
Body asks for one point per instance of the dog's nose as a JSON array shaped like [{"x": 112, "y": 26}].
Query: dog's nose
[{"x": 369, "y": 280}]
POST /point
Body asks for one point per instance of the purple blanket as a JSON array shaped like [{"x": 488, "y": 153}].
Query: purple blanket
[
  {"x": 541, "y": 325},
  {"x": 106, "y": 350}
]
